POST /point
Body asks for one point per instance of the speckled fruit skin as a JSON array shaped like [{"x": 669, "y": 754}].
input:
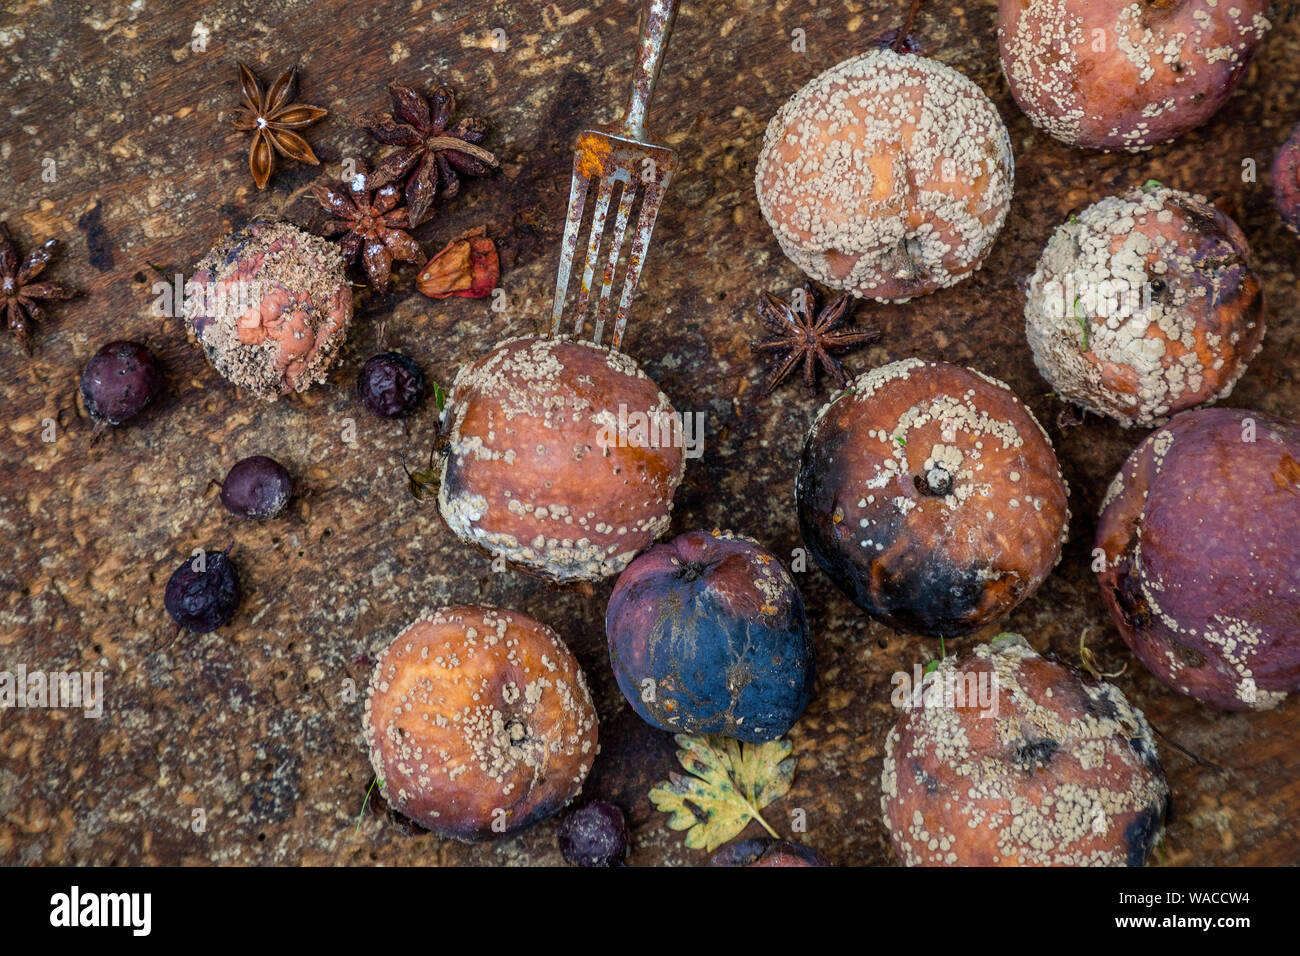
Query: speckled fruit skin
[
  {"x": 767, "y": 851},
  {"x": 1166, "y": 66},
  {"x": 888, "y": 176},
  {"x": 203, "y": 600},
  {"x": 932, "y": 497},
  {"x": 1286, "y": 180},
  {"x": 390, "y": 384},
  {"x": 1023, "y": 764},
  {"x": 479, "y": 722},
  {"x": 257, "y": 487},
  {"x": 119, "y": 381},
  {"x": 1162, "y": 282},
  {"x": 1201, "y": 537},
  {"x": 594, "y": 835},
  {"x": 270, "y": 305},
  {"x": 714, "y": 625},
  {"x": 537, "y": 469}
]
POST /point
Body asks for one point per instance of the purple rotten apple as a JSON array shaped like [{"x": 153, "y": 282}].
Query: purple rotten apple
[{"x": 707, "y": 635}]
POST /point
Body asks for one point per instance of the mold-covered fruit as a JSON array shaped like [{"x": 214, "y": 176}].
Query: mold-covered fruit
[
  {"x": 594, "y": 834},
  {"x": 767, "y": 851},
  {"x": 562, "y": 457},
  {"x": 270, "y": 305},
  {"x": 1286, "y": 180},
  {"x": 479, "y": 722},
  {"x": 932, "y": 497},
  {"x": 119, "y": 381},
  {"x": 1199, "y": 541},
  {"x": 257, "y": 487},
  {"x": 203, "y": 594},
  {"x": 1004, "y": 758},
  {"x": 888, "y": 176},
  {"x": 1143, "y": 305},
  {"x": 1119, "y": 74},
  {"x": 390, "y": 384},
  {"x": 707, "y": 635}
]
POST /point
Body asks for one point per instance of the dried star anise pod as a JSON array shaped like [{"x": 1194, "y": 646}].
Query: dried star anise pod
[
  {"x": 431, "y": 151},
  {"x": 372, "y": 225},
  {"x": 18, "y": 293},
  {"x": 808, "y": 335},
  {"x": 272, "y": 116}
]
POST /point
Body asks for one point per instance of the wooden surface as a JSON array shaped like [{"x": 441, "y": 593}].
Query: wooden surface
[{"x": 252, "y": 724}]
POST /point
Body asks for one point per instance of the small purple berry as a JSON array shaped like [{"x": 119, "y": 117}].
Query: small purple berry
[
  {"x": 390, "y": 384},
  {"x": 203, "y": 600},
  {"x": 595, "y": 834},
  {"x": 119, "y": 381},
  {"x": 257, "y": 487}
]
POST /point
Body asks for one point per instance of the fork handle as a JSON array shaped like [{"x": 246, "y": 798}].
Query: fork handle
[{"x": 657, "y": 18}]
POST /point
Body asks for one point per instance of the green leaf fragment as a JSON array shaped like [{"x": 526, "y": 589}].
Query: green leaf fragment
[{"x": 727, "y": 784}]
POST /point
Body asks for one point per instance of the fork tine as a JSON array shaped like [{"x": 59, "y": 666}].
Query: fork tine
[
  {"x": 626, "y": 197},
  {"x": 654, "y": 194},
  {"x": 577, "y": 200},
  {"x": 593, "y": 250}
]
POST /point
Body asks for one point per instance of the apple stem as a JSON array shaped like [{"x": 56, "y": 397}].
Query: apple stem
[{"x": 901, "y": 40}]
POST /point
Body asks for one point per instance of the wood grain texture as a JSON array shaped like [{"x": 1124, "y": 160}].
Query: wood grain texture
[{"x": 252, "y": 724}]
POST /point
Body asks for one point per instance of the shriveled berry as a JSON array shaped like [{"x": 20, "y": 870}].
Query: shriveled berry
[
  {"x": 119, "y": 381},
  {"x": 257, "y": 487},
  {"x": 595, "y": 834},
  {"x": 1286, "y": 180},
  {"x": 203, "y": 593},
  {"x": 390, "y": 385},
  {"x": 766, "y": 852}
]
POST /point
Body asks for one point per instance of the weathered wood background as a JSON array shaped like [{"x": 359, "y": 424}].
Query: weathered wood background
[{"x": 251, "y": 724}]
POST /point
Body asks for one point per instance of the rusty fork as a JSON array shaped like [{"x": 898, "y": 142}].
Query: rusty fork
[{"x": 624, "y": 157}]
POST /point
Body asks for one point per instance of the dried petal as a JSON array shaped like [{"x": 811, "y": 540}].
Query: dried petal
[
  {"x": 393, "y": 167},
  {"x": 389, "y": 132},
  {"x": 467, "y": 266},
  {"x": 450, "y": 181},
  {"x": 444, "y": 104},
  {"x": 261, "y": 159},
  {"x": 282, "y": 91},
  {"x": 333, "y": 201},
  {"x": 409, "y": 105},
  {"x": 402, "y": 246},
  {"x": 421, "y": 189},
  {"x": 471, "y": 129},
  {"x": 386, "y": 198},
  {"x": 297, "y": 116},
  {"x": 250, "y": 89},
  {"x": 37, "y": 260},
  {"x": 47, "y": 290},
  {"x": 377, "y": 262},
  {"x": 244, "y": 120},
  {"x": 293, "y": 146},
  {"x": 8, "y": 258},
  {"x": 351, "y": 245}
]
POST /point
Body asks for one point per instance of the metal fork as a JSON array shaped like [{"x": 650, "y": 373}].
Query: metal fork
[{"x": 622, "y": 156}]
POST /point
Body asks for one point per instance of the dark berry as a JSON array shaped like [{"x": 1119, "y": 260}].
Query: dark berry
[
  {"x": 595, "y": 834},
  {"x": 390, "y": 384},
  {"x": 119, "y": 381},
  {"x": 203, "y": 600},
  {"x": 257, "y": 487},
  {"x": 766, "y": 851}
]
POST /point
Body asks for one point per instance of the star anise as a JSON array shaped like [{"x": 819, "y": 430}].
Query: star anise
[
  {"x": 18, "y": 293},
  {"x": 432, "y": 152},
  {"x": 372, "y": 224},
  {"x": 272, "y": 116},
  {"x": 807, "y": 339}
]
